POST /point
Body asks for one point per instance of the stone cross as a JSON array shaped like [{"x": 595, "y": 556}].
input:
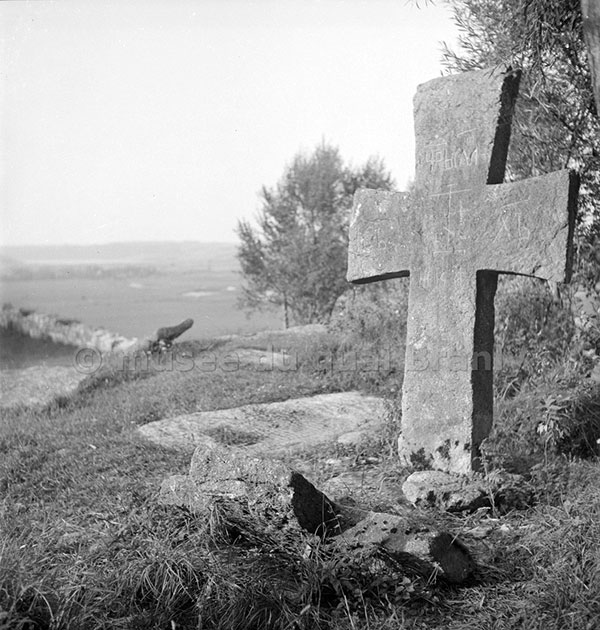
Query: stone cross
[{"x": 453, "y": 234}]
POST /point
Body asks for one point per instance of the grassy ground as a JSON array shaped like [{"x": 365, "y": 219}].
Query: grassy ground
[{"x": 84, "y": 543}]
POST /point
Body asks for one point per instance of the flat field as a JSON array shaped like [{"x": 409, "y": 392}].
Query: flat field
[
  {"x": 135, "y": 307},
  {"x": 134, "y": 290}
]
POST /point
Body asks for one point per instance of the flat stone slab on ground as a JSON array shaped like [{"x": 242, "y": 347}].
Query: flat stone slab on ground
[{"x": 271, "y": 428}]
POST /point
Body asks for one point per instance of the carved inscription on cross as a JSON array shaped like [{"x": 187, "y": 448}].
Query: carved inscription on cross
[{"x": 453, "y": 234}]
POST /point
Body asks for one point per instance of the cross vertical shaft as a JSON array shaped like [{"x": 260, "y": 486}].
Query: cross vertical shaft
[{"x": 453, "y": 234}]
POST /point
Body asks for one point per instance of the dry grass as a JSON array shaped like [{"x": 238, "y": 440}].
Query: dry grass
[{"x": 84, "y": 543}]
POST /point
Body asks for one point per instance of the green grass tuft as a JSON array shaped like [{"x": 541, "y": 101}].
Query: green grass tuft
[{"x": 84, "y": 543}]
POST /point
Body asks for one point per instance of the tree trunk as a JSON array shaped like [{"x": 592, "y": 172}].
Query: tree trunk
[{"x": 286, "y": 317}]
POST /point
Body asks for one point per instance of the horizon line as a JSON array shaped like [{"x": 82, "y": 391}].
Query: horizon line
[{"x": 110, "y": 243}]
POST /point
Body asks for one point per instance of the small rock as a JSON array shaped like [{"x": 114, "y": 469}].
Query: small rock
[
  {"x": 453, "y": 557},
  {"x": 425, "y": 552},
  {"x": 453, "y": 493},
  {"x": 347, "y": 483},
  {"x": 352, "y": 438},
  {"x": 460, "y": 493},
  {"x": 379, "y": 529}
]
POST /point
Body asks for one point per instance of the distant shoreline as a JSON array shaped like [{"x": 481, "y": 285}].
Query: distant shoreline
[{"x": 133, "y": 288}]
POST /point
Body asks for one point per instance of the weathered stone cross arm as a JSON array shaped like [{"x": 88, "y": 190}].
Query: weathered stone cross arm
[
  {"x": 523, "y": 227},
  {"x": 453, "y": 234}
]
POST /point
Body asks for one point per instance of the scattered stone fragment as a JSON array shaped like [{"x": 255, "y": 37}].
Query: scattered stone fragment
[
  {"x": 220, "y": 473},
  {"x": 254, "y": 487},
  {"x": 313, "y": 510},
  {"x": 454, "y": 493},
  {"x": 351, "y": 483},
  {"x": 379, "y": 529},
  {"x": 453, "y": 557},
  {"x": 461, "y": 493}
]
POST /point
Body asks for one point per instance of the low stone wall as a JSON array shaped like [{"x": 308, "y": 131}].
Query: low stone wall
[{"x": 65, "y": 331}]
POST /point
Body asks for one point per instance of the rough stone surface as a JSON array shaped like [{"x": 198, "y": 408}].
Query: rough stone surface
[
  {"x": 362, "y": 485},
  {"x": 250, "y": 486},
  {"x": 459, "y": 228},
  {"x": 591, "y": 29},
  {"x": 273, "y": 428},
  {"x": 388, "y": 530},
  {"x": 460, "y": 493},
  {"x": 429, "y": 488},
  {"x": 220, "y": 473}
]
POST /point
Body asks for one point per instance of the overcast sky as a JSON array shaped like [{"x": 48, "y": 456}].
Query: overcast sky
[{"x": 162, "y": 119}]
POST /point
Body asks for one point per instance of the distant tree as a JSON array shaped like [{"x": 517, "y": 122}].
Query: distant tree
[{"x": 296, "y": 256}]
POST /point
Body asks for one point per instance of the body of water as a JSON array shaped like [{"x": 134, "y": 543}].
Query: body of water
[{"x": 18, "y": 351}]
